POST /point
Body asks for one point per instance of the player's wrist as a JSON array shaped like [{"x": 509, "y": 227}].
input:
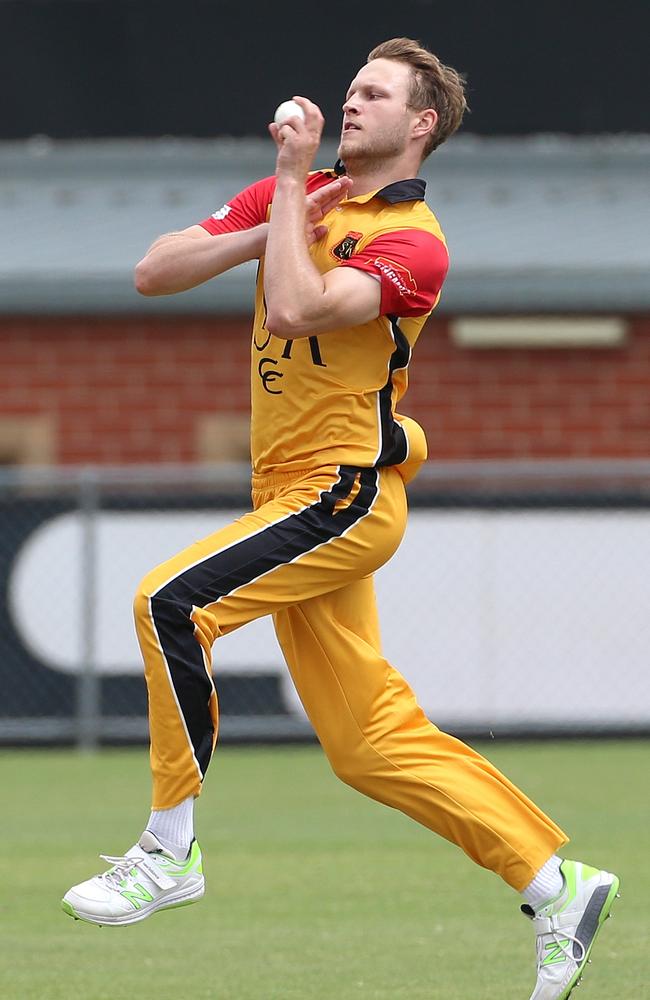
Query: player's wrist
[
  {"x": 291, "y": 180},
  {"x": 259, "y": 235}
]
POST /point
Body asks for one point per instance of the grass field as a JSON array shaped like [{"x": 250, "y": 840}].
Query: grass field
[{"x": 314, "y": 893}]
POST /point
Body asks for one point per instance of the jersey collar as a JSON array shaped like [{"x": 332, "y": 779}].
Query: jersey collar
[{"x": 412, "y": 189}]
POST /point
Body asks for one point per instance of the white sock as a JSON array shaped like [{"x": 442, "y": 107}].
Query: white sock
[
  {"x": 174, "y": 827},
  {"x": 546, "y": 885}
]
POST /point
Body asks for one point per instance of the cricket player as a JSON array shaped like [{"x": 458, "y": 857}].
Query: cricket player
[{"x": 351, "y": 264}]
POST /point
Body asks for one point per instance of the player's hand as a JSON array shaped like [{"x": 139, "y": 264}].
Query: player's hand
[
  {"x": 297, "y": 141},
  {"x": 319, "y": 203}
]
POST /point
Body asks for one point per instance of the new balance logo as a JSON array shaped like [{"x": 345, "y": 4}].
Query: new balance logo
[
  {"x": 139, "y": 897},
  {"x": 556, "y": 952}
]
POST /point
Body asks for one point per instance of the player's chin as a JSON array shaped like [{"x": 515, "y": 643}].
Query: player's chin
[{"x": 350, "y": 143}]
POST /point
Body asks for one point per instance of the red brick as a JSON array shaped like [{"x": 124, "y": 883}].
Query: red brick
[{"x": 129, "y": 389}]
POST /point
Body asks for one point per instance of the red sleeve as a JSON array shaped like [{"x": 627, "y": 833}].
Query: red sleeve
[
  {"x": 250, "y": 207},
  {"x": 247, "y": 209},
  {"x": 411, "y": 265}
]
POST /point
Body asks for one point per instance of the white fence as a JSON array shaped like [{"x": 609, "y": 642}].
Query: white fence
[{"x": 518, "y": 603}]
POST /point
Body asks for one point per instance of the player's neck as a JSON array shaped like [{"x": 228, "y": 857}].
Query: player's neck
[{"x": 369, "y": 175}]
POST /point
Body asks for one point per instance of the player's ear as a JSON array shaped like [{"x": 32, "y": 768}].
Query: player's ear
[{"x": 425, "y": 123}]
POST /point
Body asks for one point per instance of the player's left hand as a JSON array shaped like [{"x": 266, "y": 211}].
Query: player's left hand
[
  {"x": 297, "y": 141},
  {"x": 319, "y": 203}
]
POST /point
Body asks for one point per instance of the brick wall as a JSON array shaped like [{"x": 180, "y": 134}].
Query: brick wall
[{"x": 138, "y": 390}]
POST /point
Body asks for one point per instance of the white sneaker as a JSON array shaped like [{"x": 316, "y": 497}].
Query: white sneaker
[
  {"x": 146, "y": 879},
  {"x": 567, "y": 927}
]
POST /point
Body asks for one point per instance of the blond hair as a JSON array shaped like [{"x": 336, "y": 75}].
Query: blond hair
[{"x": 433, "y": 85}]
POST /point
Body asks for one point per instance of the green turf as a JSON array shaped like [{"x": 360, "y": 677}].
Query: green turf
[{"x": 314, "y": 893}]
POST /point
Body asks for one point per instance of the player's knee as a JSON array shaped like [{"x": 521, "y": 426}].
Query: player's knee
[{"x": 349, "y": 765}]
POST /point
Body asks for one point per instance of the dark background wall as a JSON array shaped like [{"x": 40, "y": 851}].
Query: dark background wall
[{"x": 77, "y": 68}]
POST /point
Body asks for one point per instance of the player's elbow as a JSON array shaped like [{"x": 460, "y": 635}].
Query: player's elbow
[
  {"x": 146, "y": 279},
  {"x": 283, "y": 323},
  {"x": 142, "y": 278}
]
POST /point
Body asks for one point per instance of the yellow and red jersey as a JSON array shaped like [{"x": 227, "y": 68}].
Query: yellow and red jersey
[{"x": 330, "y": 399}]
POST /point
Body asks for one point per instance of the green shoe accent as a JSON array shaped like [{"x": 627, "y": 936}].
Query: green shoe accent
[
  {"x": 556, "y": 951},
  {"x": 569, "y": 870},
  {"x": 177, "y": 868},
  {"x": 569, "y": 874},
  {"x": 65, "y": 906},
  {"x": 137, "y": 897}
]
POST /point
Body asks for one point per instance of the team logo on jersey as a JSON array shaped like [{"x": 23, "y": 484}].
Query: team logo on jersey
[
  {"x": 221, "y": 214},
  {"x": 400, "y": 276},
  {"x": 346, "y": 247}
]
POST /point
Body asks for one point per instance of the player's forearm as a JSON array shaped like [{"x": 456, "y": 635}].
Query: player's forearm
[
  {"x": 294, "y": 289},
  {"x": 177, "y": 262}
]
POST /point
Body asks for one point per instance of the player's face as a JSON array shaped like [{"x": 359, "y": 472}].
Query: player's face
[{"x": 376, "y": 119}]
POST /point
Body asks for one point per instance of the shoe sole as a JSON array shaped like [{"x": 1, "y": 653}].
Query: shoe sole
[
  {"x": 171, "y": 902},
  {"x": 602, "y": 917}
]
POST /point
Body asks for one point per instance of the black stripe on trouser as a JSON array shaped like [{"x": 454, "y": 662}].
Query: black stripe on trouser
[
  {"x": 224, "y": 572},
  {"x": 394, "y": 443}
]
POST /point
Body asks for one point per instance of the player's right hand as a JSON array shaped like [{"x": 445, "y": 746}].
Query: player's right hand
[{"x": 297, "y": 140}]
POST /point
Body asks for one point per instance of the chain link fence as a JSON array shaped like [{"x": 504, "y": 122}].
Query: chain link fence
[{"x": 518, "y": 603}]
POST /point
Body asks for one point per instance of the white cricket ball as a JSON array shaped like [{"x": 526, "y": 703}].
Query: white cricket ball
[{"x": 288, "y": 109}]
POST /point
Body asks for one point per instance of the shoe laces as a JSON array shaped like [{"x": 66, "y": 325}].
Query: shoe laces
[{"x": 120, "y": 869}]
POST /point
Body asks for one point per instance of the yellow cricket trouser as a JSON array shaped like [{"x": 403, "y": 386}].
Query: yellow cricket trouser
[{"x": 306, "y": 555}]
